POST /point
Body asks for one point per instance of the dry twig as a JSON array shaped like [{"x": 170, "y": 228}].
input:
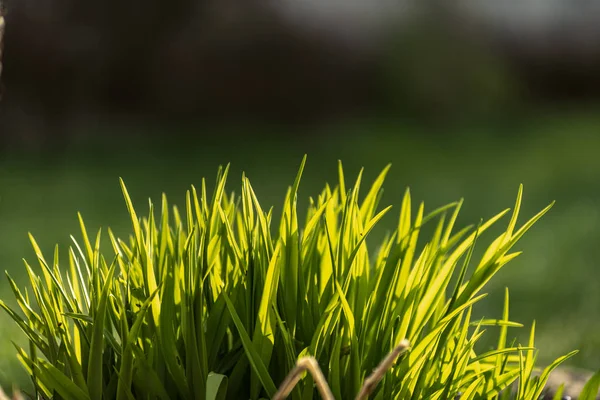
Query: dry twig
[
  {"x": 373, "y": 380},
  {"x": 310, "y": 364},
  {"x": 303, "y": 364},
  {"x": 16, "y": 395}
]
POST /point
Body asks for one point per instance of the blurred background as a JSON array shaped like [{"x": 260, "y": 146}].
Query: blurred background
[{"x": 465, "y": 99}]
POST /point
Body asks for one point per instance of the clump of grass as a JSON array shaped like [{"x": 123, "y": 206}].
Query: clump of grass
[{"x": 212, "y": 303}]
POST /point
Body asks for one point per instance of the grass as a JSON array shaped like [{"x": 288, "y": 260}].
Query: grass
[
  {"x": 212, "y": 292},
  {"x": 211, "y": 302},
  {"x": 552, "y": 281}
]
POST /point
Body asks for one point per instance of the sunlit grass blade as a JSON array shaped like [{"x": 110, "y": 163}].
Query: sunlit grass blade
[
  {"x": 95, "y": 367},
  {"x": 264, "y": 335},
  {"x": 543, "y": 379},
  {"x": 53, "y": 378},
  {"x": 591, "y": 389},
  {"x": 126, "y": 370},
  {"x": 253, "y": 356}
]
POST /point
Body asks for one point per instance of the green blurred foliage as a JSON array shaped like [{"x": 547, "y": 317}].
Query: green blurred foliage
[{"x": 434, "y": 67}]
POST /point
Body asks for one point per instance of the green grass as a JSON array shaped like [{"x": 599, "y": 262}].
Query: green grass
[
  {"x": 553, "y": 281},
  {"x": 211, "y": 301}
]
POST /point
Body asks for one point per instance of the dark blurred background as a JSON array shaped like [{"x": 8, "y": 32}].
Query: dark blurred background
[{"x": 465, "y": 99}]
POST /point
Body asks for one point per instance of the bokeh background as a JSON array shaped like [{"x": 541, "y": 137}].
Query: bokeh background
[{"x": 465, "y": 99}]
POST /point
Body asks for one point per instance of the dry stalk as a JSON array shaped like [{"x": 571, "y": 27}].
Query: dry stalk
[
  {"x": 304, "y": 364},
  {"x": 310, "y": 364},
  {"x": 16, "y": 395},
  {"x": 377, "y": 375}
]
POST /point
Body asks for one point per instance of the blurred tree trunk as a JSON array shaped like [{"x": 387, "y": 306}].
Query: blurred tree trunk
[{"x": 2, "y": 25}]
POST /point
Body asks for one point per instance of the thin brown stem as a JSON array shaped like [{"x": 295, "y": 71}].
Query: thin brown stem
[
  {"x": 373, "y": 380},
  {"x": 305, "y": 364},
  {"x": 16, "y": 395},
  {"x": 310, "y": 364}
]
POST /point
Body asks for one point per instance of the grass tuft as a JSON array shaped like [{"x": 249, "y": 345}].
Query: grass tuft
[{"x": 211, "y": 302}]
